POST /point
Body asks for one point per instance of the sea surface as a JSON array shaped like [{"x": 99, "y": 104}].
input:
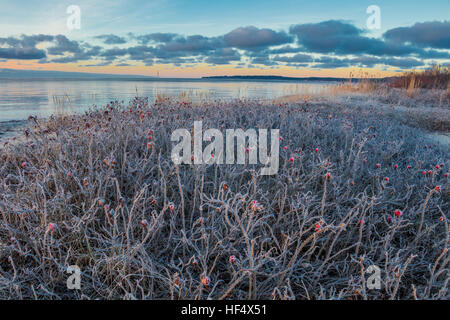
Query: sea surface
[{"x": 44, "y": 97}]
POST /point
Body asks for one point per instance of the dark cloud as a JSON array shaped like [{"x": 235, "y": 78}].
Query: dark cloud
[
  {"x": 113, "y": 53},
  {"x": 141, "y": 53},
  {"x": 434, "y": 34},
  {"x": 328, "y": 36},
  {"x": 298, "y": 58},
  {"x": 328, "y": 44},
  {"x": 251, "y": 37},
  {"x": 328, "y": 62},
  {"x": 156, "y": 37},
  {"x": 111, "y": 39},
  {"x": 71, "y": 51},
  {"x": 343, "y": 38},
  {"x": 100, "y": 64},
  {"x": 337, "y": 37},
  {"x": 195, "y": 44},
  {"x": 223, "y": 56},
  {"x": 263, "y": 60},
  {"x": 64, "y": 45},
  {"x": 285, "y": 49},
  {"x": 26, "y": 41},
  {"x": 23, "y": 48},
  {"x": 177, "y": 61},
  {"x": 326, "y": 29},
  {"x": 404, "y": 63},
  {"x": 22, "y": 53}
]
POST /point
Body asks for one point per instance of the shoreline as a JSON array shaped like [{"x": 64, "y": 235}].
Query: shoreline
[
  {"x": 11, "y": 128},
  {"x": 417, "y": 116}
]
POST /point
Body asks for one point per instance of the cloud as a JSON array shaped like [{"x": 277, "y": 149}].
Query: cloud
[
  {"x": 433, "y": 34},
  {"x": 327, "y": 44},
  {"x": 111, "y": 39},
  {"x": 298, "y": 58},
  {"x": 22, "y": 53},
  {"x": 195, "y": 44},
  {"x": 23, "y": 48},
  {"x": 156, "y": 37},
  {"x": 251, "y": 37},
  {"x": 327, "y": 62},
  {"x": 113, "y": 53},
  {"x": 100, "y": 64},
  {"x": 223, "y": 56},
  {"x": 266, "y": 61},
  {"x": 285, "y": 49},
  {"x": 64, "y": 45},
  {"x": 343, "y": 38}
]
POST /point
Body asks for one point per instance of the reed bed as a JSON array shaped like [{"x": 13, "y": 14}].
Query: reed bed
[
  {"x": 99, "y": 190},
  {"x": 436, "y": 77}
]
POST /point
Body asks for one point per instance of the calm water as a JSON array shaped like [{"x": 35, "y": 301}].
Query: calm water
[{"x": 21, "y": 98}]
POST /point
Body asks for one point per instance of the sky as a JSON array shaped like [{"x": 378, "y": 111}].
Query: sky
[{"x": 176, "y": 38}]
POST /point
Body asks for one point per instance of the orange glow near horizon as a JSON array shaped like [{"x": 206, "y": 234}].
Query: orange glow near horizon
[{"x": 198, "y": 70}]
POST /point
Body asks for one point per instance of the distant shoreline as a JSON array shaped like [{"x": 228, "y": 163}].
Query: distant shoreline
[
  {"x": 283, "y": 78},
  {"x": 47, "y": 75},
  {"x": 203, "y": 79}
]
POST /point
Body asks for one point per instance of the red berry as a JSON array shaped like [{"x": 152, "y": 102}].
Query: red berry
[
  {"x": 206, "y": 281},
  {"x": 52, "y": 226},
  {"x": 437, "y": 188},
  {"x": 291, "y": 159},
  {"x": 395, "y": 166},
  {"x": 232, "y": 259},
  {"x": 378, "y": 165},
  {"x": 398, "y": 213}
]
